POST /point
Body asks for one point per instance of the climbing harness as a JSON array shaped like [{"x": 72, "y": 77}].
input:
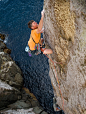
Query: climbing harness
[
  {"x": 34, "y": 52},
  {"x": 57, "y": 80},
  {"x": 37, "y": 48}
]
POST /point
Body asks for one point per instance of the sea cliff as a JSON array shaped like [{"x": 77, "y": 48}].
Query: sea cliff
[{"x": 65, "y": 34}]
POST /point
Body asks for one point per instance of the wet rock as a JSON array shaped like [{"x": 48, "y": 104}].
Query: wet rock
[
  {"x": 2, "y": 36},
  {"x": 34, "y": 103},
  {"x": 29, "y": 94},
  {"x": 23, "y": 111},
  {"x": 44, "y": 112},
  {"x": 18, "y": 111},
  {"x": 2, "y": 45},
  {"x": 7, "y": 51},
  {"x": 37, "y": 109},
  {"x": 27, "y": 105},
  {"x": 11, "y": 76},
  {"x": 3, "y": 48},
  {"x": 8, "y": 94},
  {"x": 18, "y": 78},
  {"x": 20, "y": 105}
]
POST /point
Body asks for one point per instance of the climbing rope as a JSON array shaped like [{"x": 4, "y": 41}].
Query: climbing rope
[{"x": 57, "y": 80}]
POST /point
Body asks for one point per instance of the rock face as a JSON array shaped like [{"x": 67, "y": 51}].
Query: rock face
[
  {"x": 8, "y": 94},
  {"x": 27, "y": 105},
  {"x": 65, "y": 34},
  {"x": 9, "y": 71},
  {"x": 11, "y": 79}
]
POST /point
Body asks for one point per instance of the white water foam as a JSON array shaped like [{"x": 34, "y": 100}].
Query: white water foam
[{"x": 6, "y": 39}]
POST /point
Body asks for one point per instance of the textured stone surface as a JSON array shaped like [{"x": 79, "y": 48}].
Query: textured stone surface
[
  {"x": 65, "y": 34},
  {"x": 9, "y": 71},
  {"x": 8, "y": 94},
  {"x": 27, "y": 105},
  {"x": 3, "y": 48},
  {"x": 11, "y": 80},
  {"x": 2, "y": 36}
]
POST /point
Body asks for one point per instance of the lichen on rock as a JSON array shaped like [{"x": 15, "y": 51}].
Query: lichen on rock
[{"x": 65, "y": 19}]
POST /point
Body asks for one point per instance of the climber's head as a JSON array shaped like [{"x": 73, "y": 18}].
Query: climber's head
[{"x": 32, "y": 24}]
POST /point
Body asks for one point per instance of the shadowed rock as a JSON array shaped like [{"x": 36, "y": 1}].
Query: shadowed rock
[
  {"x": 11, "y": 76},
  {"x": 7, "y": 51},
  {"x": 4, "y": 48},
  {"x": 10, "y": 72},
  {"x": 8, "y": 94},
  {"x": 28, "y": 104},
  {"x": 2, "y": 36}
]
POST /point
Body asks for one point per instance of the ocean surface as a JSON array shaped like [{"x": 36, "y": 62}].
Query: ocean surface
[{"x": 14, "y": 18}]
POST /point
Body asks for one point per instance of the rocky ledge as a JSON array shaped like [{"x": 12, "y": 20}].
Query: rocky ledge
[
  {"x": 14, "y": 98},
  {"x": 28, "y": 104}
]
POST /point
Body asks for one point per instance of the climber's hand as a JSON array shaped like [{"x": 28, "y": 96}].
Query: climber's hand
[
  {"x": 42, "y": 13},
  {"x": 42, "y": 30}
]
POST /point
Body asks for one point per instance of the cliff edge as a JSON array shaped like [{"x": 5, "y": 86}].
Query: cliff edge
[{"x": 65, "y": 34}]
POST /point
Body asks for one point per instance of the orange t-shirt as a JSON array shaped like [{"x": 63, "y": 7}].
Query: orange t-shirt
[{"x": 36, "y": 38}]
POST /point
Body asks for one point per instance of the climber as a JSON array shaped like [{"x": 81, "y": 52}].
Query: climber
[{"x": 35, "y": 42}]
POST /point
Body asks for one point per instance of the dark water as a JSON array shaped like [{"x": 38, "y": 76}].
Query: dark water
[{"x": 14, "y": 16}]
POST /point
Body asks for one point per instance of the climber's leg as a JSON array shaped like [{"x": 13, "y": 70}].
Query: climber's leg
[{"x": 46, "y": 51}]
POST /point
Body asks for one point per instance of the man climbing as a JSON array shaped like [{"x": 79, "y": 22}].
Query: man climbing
[{"x": 35, "y": 40}]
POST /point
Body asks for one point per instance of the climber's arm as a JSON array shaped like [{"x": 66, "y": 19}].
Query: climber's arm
[{"x": 39, "y": 30}]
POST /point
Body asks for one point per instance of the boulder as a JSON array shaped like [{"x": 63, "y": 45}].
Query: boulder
[
  {"x": 3, "y": 48},
  {"x": 7, "y": 51},
  {"x": 10, "y": 72},
  {"x": 8, "y": 94},
  {"x": 28, "y": 104},
  {"x": 11, "y": 80},
  {"x": 2, "y": 36}
]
